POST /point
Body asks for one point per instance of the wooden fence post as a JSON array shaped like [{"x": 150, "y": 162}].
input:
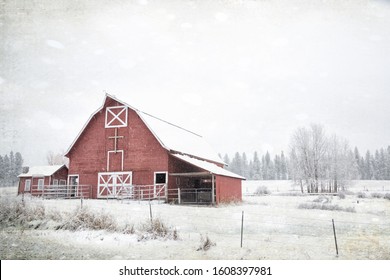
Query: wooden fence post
[
  {"x": 150, "y": 212},
  {"x": 242, "y": 227},
  {"x": 178, "y": 195},
  {"x": 335, "y": 239}
]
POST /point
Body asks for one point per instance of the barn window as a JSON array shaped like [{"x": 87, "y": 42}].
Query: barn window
[
  {"x": 27, "y": 185},
  {"x": 160, "y": 177},
  {"x": 41, "y": 182},
  {"x": 116, "y": 116},
  {"x": 62, "y": 182},
  {"x": 55, "y": 182}
]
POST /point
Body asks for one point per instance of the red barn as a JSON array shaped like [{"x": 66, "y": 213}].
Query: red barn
[
  {"x": 122, "y": 151},
  {"x": 39, "y": 179}
]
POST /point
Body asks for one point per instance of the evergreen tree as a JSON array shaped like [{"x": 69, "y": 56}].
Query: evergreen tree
[
  {"x": 375, "y": 165},
  {"x": 358, "y": 163},
  {"x": 250, "y": 170},
  {"x": 388, "y": 163},
  {"x": 2, "y": 171},
  {"x": 226, "y": 160},
  {"x": 236, "y": 164},
  {"x": 277, "y": 171},
  {"x": 382, "y": 164},
  {"x": 368, "y": 168},
  {"x": 244, "y": 166},
  {"x": 10, "y": 168},
  {"x": 263, "y": 168},
  {"x": 18, "y": 167},
  {"x": 256, "y": 167},
  {"x": 7, "y": 168},
  {"x": 268, "y": 168},
  {"x": 363, "y": 175}
]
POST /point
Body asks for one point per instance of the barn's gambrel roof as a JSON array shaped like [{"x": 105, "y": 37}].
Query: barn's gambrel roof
[{"x": 173, "y": 138}]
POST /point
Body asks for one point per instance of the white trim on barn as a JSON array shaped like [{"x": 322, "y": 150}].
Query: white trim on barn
[
  {"x": 115, "y": 152},
  {"x": 41, "y": 183},
  {"x": 158, "y": 183},
  {"x": 171, "y": 137},
  {"x": 116, "y": 116},
  {"x": 27, "y": 187},
  {"x": 113, "y": 184}
]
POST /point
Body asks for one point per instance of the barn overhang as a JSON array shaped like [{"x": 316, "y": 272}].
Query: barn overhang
[
  {"x": 201, "y": 186},
  {"x": 208, "y": 167}
]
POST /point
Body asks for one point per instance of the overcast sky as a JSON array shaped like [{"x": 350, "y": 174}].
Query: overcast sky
[{"x": 244, "y": 74}]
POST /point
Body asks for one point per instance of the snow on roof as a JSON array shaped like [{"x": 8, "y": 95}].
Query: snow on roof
[
  {"x": 41, "y": 171},
  {"x": 171, "y": 137},
  {"x": 208, "y": 166},
  {"x": 178, "y": 139}
]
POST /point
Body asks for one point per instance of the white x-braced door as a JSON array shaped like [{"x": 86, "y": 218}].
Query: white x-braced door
[{"x": 114, "y": 184}]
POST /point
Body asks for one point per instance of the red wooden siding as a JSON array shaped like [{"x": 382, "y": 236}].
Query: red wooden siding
[
  {"x": 228, "y": 189},
  {"x": 143, "y": 154}
]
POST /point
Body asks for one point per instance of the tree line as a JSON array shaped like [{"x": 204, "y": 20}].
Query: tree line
[
  {"x": 11, "y": 165},
  {"x": 316, "y": 161},
  {"x": 259, "y": 168}
]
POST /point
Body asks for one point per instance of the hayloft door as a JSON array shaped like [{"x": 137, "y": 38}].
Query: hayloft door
[{"x": 114, "y": 184}]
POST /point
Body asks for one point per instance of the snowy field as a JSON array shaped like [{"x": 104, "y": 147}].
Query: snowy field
[{"x": 276, "y": 226}]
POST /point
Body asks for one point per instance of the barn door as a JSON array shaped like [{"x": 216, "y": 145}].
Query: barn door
[{"x": 114, "y": 184}]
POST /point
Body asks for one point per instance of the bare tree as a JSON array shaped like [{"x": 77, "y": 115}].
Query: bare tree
[
  {"x": 341, "y": 164},
  {"x": 56, "y": 159},
  {"x": 308, "y": 155},
  {"x": 321, "y": 163}
]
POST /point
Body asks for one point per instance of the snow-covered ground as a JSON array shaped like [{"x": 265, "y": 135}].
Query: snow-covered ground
[{"x": 274, "y": 228}]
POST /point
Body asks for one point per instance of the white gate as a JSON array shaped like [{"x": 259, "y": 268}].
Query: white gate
[{"x": 114, "y": 184}]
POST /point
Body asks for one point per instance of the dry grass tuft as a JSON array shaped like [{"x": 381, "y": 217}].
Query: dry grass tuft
[
  {"x": 377, "y": 195},
  {"x": 262, "y": 190},
  {"x": 156, "y": 229},
  {"x": 15, "y": 212},
  {"x": 325, "y": 206},
  {"x": 128, "y": 229},
  {"x": 205, "y": 243},
  {"x": 361, "y": 195},
  {"x": 83, "y": 219}
]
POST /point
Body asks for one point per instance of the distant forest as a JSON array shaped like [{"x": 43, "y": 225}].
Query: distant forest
[
  {"x": 11, "y": 165},
  {"x": 370, "y": 166}
]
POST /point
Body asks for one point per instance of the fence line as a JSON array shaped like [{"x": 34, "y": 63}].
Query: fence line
[
  {"x": 251, "y": 219},
  {"x": 252, "y": 226}
]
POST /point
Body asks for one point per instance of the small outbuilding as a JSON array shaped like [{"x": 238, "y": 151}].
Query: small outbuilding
[{"x": 39, "y": 179}]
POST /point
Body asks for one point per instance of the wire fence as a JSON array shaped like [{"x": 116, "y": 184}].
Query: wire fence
[
  {"x": 359, "y": 235},
  {"x": 249, "y": 228}
]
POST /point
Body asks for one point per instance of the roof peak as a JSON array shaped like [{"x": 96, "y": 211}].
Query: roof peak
[{"x": 150, "y": 115}]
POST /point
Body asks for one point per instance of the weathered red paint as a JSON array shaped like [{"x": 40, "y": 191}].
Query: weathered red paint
[
  {"x": 228, "y": 189},
  {"x": 143, "y": 155}
]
